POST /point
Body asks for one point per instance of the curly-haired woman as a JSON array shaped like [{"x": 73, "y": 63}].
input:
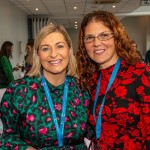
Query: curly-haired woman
[{"x": 118, "y": 82}]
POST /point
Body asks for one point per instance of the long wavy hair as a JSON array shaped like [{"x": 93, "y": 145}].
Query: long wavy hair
[
  {"x": 6, "y": 49},
  {"x": 36, "y": 64},
  {"x": 85, "y": 66}
]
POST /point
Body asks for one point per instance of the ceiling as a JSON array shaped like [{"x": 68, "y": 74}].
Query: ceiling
[{"x": 63, "y": 12}]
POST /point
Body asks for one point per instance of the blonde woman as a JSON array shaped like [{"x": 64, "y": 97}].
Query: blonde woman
[{"x": 46, "y": 109}]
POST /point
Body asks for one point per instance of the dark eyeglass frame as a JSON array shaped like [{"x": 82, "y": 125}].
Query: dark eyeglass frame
[{"x": 106, "y": 36}]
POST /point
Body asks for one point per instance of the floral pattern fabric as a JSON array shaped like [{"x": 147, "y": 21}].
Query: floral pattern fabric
[
  {"x": 27, "y": 119},
  {"x": 126, "y": 112}
]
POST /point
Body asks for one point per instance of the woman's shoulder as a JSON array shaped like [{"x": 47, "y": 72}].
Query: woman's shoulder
[
  {"x": 3, "y": 58},
  {"x": 141, "y": 66},
  {"x": 135, "y": 65},
  {"x": 26, "y": 82},
  {"x": 144, "y": 68},
  {"x": 73, "y": 79},
  {"x": 4, "y": 61},
  {"x": 138, "y": 68},
  {"x": 75, "y": 84}
]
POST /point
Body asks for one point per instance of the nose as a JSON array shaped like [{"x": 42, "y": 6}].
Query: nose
[
  {"x": 53, "y": 53},
  {"x": 96, "y": 41}
]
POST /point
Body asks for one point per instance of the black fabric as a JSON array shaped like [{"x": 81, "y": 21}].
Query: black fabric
[{"x": 3, "y": 78}]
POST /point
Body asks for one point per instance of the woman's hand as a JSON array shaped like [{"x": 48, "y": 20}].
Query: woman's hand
[
  {"x": 30, "y": 148},
  {"x": 15, "y": 68}
]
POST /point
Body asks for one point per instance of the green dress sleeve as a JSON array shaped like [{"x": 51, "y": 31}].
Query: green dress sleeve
[
  {"x": 7, "y": 67},
  {"x": 10, "y": 138}
]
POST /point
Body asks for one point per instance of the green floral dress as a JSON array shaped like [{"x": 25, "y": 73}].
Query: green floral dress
[{"x": 27, "y": 119}]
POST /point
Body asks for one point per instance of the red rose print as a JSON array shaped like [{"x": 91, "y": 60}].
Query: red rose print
[
  {"x": 128, "y": 81},
  {"x": 121, "y": 91},
  {"x": 145, "y": 81},
  {"x": 140, "y": 90}
]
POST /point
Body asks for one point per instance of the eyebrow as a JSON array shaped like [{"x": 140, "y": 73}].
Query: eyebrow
[
  {"x": 50, "y": 45},
  {"x": 98, "y": 34},
  {"x": 60, "y": 43},
  {"x": 43, "y": 45}
]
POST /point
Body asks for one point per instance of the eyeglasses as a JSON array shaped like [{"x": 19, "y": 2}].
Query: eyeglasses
[{"x": 102, "y": 37}]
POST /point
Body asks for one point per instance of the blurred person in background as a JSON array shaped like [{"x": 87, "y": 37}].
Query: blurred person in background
[
  {"x": 6, "y": 70},
  {"x": 135, "y": 48},
  {"x": 147, "y": 57},
  {"x": 29, "y": 56}
]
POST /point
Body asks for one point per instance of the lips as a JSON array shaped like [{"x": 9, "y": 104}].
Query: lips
[
  {"x": 55, "y": 62},
  {"x": 98, "y": 51}
]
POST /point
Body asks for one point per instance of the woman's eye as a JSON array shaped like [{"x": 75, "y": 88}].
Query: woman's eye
[
  {"x": 45, "y": 48},
  {"x": 60, "y": 46},
  {"x": 90, "y": 37},
  {"x": 104, "y": 35}
]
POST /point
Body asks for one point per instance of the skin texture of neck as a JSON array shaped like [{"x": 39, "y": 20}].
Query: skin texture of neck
[
  {"x": 55, "y": 79},
  {"x": 108, "y": 64}
]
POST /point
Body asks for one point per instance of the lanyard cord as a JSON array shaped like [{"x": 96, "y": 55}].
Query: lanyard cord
[
  {"x": 111, "y": 80},
  {"x": 59, "y": 130}
]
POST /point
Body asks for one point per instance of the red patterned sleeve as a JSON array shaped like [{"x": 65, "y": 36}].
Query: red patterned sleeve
[{"x": 144, "y": 92}]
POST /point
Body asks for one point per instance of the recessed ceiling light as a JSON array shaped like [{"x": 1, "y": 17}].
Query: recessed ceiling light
[
  {"x": 36, "y": 9},
  {"x": 76, "y": 22},
  {"x": 75, "y": 7},
  {"x": 113, "y": 6}
]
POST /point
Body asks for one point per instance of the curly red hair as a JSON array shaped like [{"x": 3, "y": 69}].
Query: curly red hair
[{"x": 85, "y": 66}]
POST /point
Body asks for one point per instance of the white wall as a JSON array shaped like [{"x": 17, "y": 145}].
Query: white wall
[
  {"x": 13, "y": 27},
  {"x": 148, "y": 33},
  {"x": 136, "y": 27},
  {"x": 74, "y": 37}
]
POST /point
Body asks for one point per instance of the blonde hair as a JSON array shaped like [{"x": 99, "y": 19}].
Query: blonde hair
[{"x": 36, "y": 65}]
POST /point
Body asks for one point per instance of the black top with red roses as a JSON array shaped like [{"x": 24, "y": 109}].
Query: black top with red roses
[{"x": 126, "y": 112}]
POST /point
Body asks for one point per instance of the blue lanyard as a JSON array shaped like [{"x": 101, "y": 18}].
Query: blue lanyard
[
  {"x": 99, "y": 120},
  {"x": 59, "y": 130}
]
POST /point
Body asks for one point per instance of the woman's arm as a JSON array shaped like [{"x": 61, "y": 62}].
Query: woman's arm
[
  {"x": 7, "y": 68},
  {"x": 9, "y": 114},
  {"x": 144, "y": 93}
]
